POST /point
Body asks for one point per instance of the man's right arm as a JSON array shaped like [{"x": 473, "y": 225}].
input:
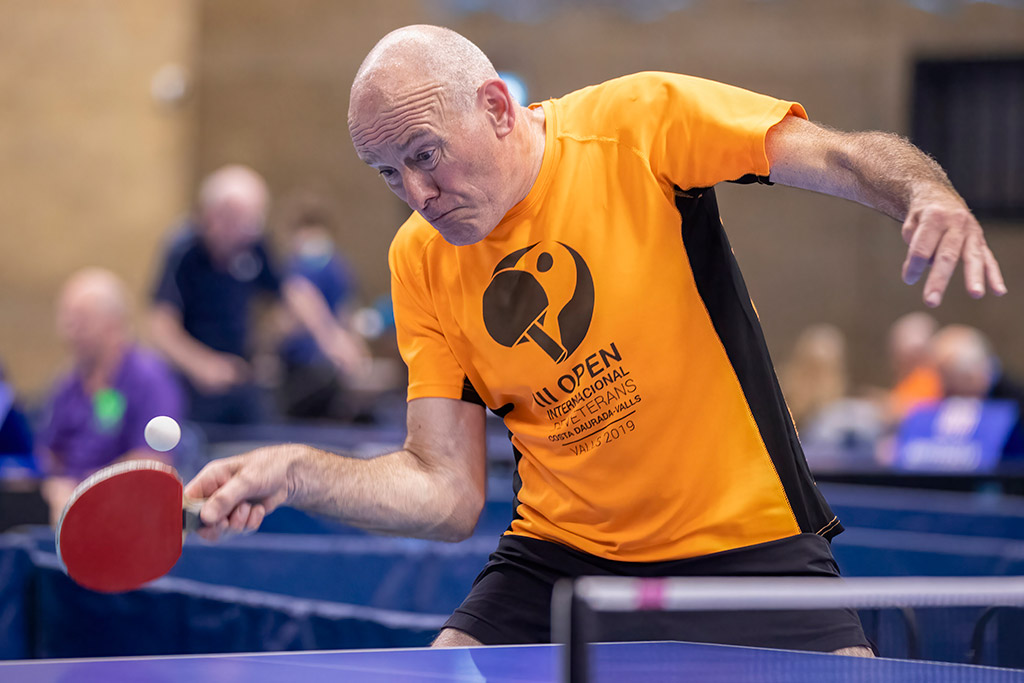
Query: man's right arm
[
  {"x": 209, "y": 370},
  {"x": 434, "y": 487}
]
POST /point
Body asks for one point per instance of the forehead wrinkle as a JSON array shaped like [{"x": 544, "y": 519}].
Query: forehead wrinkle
[
  {"x": 391, "y": 125},
  {"x": 369, "y": 157},
  {"x": 418, "y": 103}
]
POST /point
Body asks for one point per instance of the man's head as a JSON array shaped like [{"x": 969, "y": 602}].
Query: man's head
[
  {"x": 232, "y": 208},
  {"x": 92, "y": 316},
  {"x": 429, "y": 112},
  {"x": 909, "y": 341},
  {"x": 964, "y": 359}
]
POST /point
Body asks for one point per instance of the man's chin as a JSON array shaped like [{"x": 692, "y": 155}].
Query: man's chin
[{"x": 461, "y": 235}]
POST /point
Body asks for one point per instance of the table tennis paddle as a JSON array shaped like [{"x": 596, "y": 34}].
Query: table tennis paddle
[
  {"x": 125, "y": 525},
  {"x": 514, "y": 308}
]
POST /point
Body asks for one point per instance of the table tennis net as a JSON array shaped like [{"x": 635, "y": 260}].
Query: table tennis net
[{"x": 971, "y": 620}]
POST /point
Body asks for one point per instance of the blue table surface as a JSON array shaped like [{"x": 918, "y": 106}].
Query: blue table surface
[{"x": 646, "y": 662}]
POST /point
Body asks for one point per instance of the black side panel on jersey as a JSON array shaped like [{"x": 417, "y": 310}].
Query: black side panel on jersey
[
  {"x": 471, "y": 395},
  {"x": 725, "y": 296}
]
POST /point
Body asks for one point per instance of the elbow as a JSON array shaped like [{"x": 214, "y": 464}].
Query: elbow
[{"x": 459, "y": 521}]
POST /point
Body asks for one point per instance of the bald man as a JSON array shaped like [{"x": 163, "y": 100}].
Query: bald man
[
  {"x": 968, "y": 368},
  {"x": 565, "y": 267},
  {"x": 99, "y": 410},
  {"x": 216, "y": 267}
]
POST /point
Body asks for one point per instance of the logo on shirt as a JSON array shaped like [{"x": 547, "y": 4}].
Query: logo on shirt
[{"x": 544, "y": 294}]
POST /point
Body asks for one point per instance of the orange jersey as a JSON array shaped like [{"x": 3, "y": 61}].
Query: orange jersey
[
  {"x": 606, "y": 321},
  {"x": 921, "y": 386}
]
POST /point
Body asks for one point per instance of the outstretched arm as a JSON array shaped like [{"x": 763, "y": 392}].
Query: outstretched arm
[
  {"x": 433, "y": 488},
  {"x": 886, "y": 172}
]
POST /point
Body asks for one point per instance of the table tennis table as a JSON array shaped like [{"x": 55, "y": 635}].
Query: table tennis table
[{"x": 650, "y": 662}]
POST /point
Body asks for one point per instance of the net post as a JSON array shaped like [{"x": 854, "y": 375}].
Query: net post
[{"x": 569, "y": 627}]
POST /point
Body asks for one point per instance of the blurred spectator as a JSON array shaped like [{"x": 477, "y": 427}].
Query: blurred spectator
[
  {"x": 99, "y": 410},
  {"x": 311, "y": 386},
  {"x": 212, "y": 273},
  {"x": 968, "y": 368},
  {"x": 815, "y": 376},
  {"x": 916, "y": 382},
  {"x": 20, "y": 499},
  {"x": 16, "y": 440},
  {"x": 837, "y": 430}
]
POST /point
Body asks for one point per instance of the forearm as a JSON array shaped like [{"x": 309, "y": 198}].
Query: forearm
[
  {"x": 170, "y": 338},
  {"x": 880, "y": 170},
  {"x": 398, "y": 493},
  {"x": 306, "y": 303},
  {"x": 888, "y": 173}
]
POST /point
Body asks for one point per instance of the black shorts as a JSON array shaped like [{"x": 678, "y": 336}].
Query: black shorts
[{"x": 510, "y": 602}]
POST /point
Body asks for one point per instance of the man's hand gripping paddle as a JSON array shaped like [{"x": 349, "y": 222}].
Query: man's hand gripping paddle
[{"x": 125, "y": 525}]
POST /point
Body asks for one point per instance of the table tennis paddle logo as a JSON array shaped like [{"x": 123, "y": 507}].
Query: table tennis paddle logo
[{"x": 544, "y": 294}]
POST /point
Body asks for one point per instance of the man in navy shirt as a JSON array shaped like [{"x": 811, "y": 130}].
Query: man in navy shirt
[{"x": 214, "y": 270}]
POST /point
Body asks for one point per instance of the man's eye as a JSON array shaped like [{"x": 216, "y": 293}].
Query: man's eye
[
  {"x": 425, "y": 156},
  {"x": 386, "y": 173}
]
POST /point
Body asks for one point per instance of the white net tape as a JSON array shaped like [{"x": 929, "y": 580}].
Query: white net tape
[{"x": 615, "y": 594}]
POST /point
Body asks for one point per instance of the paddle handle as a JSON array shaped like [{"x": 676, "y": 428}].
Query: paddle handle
[{"x": 190, "y": 520}]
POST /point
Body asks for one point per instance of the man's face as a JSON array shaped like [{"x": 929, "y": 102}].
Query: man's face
[
  {"x": 232, "y": 224},
  {"x": 444, "y": 163},
  {"x": 84, "y": 327}
]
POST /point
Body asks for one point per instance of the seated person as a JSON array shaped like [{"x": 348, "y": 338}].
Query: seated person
[
  {"x": 814, "y": 376},
  {"x": 215, "y": 268},
  {"x": 311, "y": 387},
  {"x": 16, "y": 440},
  {"x": 99, "y": 410},
  {"x": 836, "y": 429},
  {"x": 971, "y": 429},
  {"x": 917, "y": 382},
  {"x": 969, "y": 368}
]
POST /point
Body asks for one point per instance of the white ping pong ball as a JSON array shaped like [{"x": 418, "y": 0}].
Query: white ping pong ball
[{"x": 162, "y": 433}]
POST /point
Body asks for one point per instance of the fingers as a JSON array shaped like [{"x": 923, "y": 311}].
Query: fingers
[
  {"x": 226, "y": 501},
  {"x": 214, "y": 475},
  {"x": 939, "y": 238},
  {"x": 223, "y": 491},
  {"x": 993, "y": 274},
  {"x": 974, "y": 266},
  {"x": 947, "y": 255},
  {"x": 246, "y": 518},
  {"x": 922, "y": 243}
]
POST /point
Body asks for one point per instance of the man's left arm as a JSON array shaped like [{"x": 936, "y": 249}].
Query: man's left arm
[
  {"x": 307, "y": 304},
  {"x": 887, "y": 173}
]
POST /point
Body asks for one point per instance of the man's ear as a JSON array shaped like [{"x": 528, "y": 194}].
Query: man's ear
[{"x": 494, "y": 98}]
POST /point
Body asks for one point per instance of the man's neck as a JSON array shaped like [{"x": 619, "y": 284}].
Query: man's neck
[
  {"x": 533, "y": 147},
  {"x": 99, "y": 374}
]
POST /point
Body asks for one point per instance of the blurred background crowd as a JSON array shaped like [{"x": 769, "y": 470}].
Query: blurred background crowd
[
  {"x": 185, "y": 230},
  {"x": 188, "y": 232}
]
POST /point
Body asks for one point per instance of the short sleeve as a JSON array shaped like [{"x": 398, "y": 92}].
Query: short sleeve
[
  {"x": 433, "y": 369},
  {"x": 697, "y": 132},
  {"x": 167, "y": 289}
]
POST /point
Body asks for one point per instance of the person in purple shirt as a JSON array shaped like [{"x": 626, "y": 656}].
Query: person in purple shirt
[{"x": 98, "y": 411}]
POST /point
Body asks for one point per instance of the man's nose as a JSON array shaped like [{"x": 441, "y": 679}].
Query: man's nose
[{"x": 419, "y": 190}]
